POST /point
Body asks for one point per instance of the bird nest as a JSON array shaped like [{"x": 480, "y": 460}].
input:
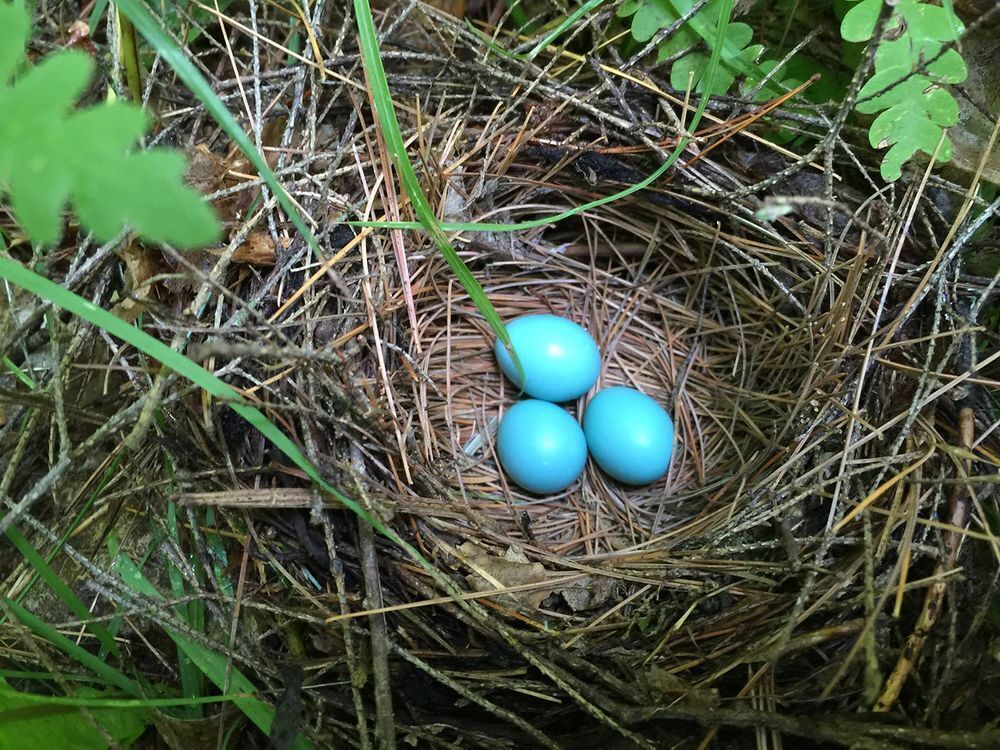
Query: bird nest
[
  {"x": 821, "y": 546},
  {"x": 665, "y": 318}
]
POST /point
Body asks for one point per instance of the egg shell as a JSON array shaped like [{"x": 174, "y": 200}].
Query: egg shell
[
  {"x": 560, "y": 359},
  {"x": 541, "y": 446},
  {"x": 629, "y": 435}
]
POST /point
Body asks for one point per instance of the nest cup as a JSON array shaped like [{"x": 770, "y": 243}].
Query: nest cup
[{"x": 702, "y": 338}]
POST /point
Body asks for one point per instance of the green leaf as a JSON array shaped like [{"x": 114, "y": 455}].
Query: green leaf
[
  {"x": 915, "y": 108},
  {"x": 566, "y": 23},
  {"x": 914, "y": 124},
  {"x": 51, "y": 153},
  {"x": 14, "y": 26},
  {"x": 684, "y": 39},
  {"x": 860, "y": 21},
  {"x": 692, "y": 68},
  {"x": 32, "y": 721},
  {"x": 651, "y": 16},
  {"x": 797, "y": 71},
  {"x": 201, "y": 16},
  {"x": 738, "y": 36},
  {"x": 929, "y": 22},
  {"x": 627, "y": 8},
  {"x": 950, "y": 67},
  {"x": 738, "y": 58}
]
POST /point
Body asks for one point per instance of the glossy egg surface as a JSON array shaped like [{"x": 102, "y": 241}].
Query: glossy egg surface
[
  {"x": 629, "y": 435},
  {"x": 541, "y": 446},
  {"x": 560, "y": 359}
]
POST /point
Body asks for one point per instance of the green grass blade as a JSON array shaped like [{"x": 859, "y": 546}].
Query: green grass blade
[
  {"x": 214, "y": 665},
  {"x": 122, "y": 703},
  {"x": 151, "y": 29},
  {"x": 182, "y": 365},
  {"x": 725, "y": 10},
  {"x": 44, "y": 571},
  {"x": 389, "y": 124},
  {"x": 95, "y": 15},
  {"x": 108, "y": 673},
  {"x": 730, "y": 55},
  {"x": 41, "y": 721},
  {"x": 474, "y": 226},
  {"x": 59, "y": 587},
  {"x": 129, "y": 50},
  {"x": 22, "y": 674},
  {"x": 48, "y": 290},
  {"x": 190, "y": 675},
  {"x": 725, "y": 15},
  {"x": 566, "y": 23},
  {"x": 18, "y": 373},
  {"x": 492, "y": 45},
  {"x": 518, "y": 15}
]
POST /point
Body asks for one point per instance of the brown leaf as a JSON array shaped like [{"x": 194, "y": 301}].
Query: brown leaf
[
  {"x": 179, "y": 734},
  {"x": 588, "y": 593},
  {"x": 79, "y": 37},
  {"x": 513, "y": 569},
  {"x": 208, "y": 172},
  {"x": 140, "y": 267},
  {"x": 258, "y": 250},
  {"x": 666, "y": 687}
]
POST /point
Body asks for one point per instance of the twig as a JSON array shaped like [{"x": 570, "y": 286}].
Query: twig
[
  {"x": 385, "y": 722},
  {"x": 934, "y": 599}
]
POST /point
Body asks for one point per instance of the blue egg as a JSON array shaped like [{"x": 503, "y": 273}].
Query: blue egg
[
  {"x": 629, "y": 435},
  {"x": 560, "y": 359},
  {"x": 541, "y": 447}
]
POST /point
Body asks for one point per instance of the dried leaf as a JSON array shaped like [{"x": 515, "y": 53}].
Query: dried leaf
[
  {"x": 665, "y": 687},
  {"x": 206, "y": 171},
  {"x": 178, "y": 734},
  {"x": 588, "y": 593},
  {"x": 140, "y": 267},
  {"x": 258, "y": 250},
  {"x": 79, "y": 37},
  {"x": 513, "y": 569}
]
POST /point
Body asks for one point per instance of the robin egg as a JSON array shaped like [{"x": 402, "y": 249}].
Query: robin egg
[
  {"x": 559, "y": 358},
  {"x": 541, "y": 447},
  {"x": 629, "y": 435}
]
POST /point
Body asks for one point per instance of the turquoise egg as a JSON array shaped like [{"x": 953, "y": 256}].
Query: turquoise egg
[
  {"x": 560, "y": 359},
  {"x": 541, "y": 447},
  {"x": 629, "y": 435}
]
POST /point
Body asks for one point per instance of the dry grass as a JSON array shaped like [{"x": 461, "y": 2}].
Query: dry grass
[{"x": 829, "y": 377}]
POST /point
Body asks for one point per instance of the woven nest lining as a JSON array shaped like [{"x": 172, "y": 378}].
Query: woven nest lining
[{"x": 666, "y": 324}]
